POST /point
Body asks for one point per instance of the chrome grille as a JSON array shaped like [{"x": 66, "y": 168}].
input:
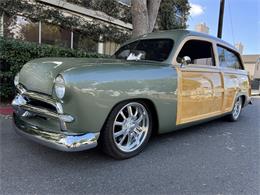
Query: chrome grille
[
  {"x": 28, "y": 103},
  {"x": 41, "y": 104}
]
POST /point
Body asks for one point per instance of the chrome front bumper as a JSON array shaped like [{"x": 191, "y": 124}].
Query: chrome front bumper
[
  {"x": 60, "y": 138},
  {"x": 59, "y": 141}
]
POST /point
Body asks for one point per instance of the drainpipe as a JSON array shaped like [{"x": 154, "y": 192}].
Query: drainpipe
[
  {"x": 2, "y": 25},
  {"x": 101, "y": 45},
  {"x": 71, "y": 39},
  {"x": 40, "y": 32}
]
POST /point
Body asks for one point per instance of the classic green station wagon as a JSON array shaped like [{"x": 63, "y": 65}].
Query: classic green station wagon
[{"x": 159, "y": 82}]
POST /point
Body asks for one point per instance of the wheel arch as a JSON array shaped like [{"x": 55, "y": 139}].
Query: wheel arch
[
  {"x": 243, "y": 97},
  {"x": 243, "y": 100},
  {"x": 149, "y": 103}
]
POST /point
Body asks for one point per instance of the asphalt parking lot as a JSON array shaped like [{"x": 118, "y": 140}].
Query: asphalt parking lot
[{"x": 217, "y": 157}]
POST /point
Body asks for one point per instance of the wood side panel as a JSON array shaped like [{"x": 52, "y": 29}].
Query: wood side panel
[
  {"x": 234, "y": 84},
  {"x": 231, "y": 86},
  {"x": 200, "y": 95},
  {"x": 204, "y": 93}
]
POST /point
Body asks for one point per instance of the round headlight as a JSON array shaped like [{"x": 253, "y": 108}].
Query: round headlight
[
  {"x": 16, "y": 79},
  {"x": 59, "y": 87}
]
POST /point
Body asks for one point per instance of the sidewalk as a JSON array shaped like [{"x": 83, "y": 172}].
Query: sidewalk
[
  {"x": 6, "y": 109},
  {"x": 255, "y": 92}
]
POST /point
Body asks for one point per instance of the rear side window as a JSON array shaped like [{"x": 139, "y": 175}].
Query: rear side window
[
  {"x": 200, "y": 52},
  {"x": 228, "y": 59}
]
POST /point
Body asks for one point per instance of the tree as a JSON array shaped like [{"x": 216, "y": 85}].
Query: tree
[
  {"x": 144, "y": 14},
  {"x": 173, "y": 14},
  {"x": 162, "y": 14}
]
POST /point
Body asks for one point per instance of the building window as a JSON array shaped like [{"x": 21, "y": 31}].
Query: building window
[
  {"x": 126, "y": 2},
  {"x": 81, "y": 41},
  {"x": 19, "y": 27},
  {"x": 55, "y": 35},
  {"x": 22, "y": 28}
]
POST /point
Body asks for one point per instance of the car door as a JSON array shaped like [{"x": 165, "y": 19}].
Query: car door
[
  {"x": 200, "y": 84},
  {"x": 235, "y": 78}
]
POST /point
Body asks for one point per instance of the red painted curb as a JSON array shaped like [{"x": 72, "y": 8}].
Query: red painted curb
[{"x": 6, "y": 110}]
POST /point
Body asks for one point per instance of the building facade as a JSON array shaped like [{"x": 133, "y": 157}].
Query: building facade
[
  {"x": 202, "y": 27},
  {"x": 240, "y": 47},
  {"x": 252, "y": 65},
  {"x": 42, "y": 32}
]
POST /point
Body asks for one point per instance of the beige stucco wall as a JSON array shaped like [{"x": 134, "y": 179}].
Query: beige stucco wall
[
  {"x": 252, "y": 65},
  {"x": 250, "y": 68},
  {"x": 110, "y": 48},
  {"x": 257, "y": 71}
]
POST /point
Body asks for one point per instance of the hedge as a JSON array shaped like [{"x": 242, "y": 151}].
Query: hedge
[{"x": 14, "y": 54}]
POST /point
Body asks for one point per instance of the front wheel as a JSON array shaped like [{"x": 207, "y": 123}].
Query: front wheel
[
  {"x": 127, "y": 130},
  {"x": 234, "y": 115}
]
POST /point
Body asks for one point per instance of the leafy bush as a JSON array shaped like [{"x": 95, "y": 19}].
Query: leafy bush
[{"x": 14, "y": 54}]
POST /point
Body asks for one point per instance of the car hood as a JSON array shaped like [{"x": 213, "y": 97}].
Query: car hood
[{"x": 39, "y": 74}]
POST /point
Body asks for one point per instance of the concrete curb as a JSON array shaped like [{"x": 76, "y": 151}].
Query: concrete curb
[{"x": 6, "y": 110}]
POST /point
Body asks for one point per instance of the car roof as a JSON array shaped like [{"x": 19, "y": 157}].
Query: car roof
[{"x": 181, "y": 34}]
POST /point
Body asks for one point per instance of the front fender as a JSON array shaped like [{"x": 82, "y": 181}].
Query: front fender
[{"x": 90, "y": 97}]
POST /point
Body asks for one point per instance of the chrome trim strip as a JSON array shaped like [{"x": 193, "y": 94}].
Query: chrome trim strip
[
  {"x": 40, "y": 111},
  {"x": 59, "y": 141},
  {"x": 41, "y": 97},
  {"x": 20, "y": 103}
]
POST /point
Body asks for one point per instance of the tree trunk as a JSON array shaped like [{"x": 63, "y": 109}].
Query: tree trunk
[
  {"x": 144, "y": 14},
  {"x": 139, "y": 17},
  {"x": 153, "y": 8}
]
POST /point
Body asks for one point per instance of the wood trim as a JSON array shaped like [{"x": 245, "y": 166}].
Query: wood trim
[
  {"x": 179, "y": 93},
  {"x": 224, "y": 91},
  {"x": 201, "y": 117}
]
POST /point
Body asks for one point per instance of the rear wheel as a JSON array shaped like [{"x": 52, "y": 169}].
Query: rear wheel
[
  {"x": 127, "y": 130},
  {"x": 234, "y": 115}
]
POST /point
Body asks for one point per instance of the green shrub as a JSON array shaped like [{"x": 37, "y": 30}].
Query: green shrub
[{"x": 14, "y": 54}]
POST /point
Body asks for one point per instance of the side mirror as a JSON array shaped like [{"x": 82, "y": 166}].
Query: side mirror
[{"x": 185, "y": 61}]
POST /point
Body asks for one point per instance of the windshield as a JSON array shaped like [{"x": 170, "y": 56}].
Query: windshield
[{"x": 148, "y": 49}]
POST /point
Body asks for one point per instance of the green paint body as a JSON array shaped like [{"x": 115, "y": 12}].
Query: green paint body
[{"x": 95, "y": 86}]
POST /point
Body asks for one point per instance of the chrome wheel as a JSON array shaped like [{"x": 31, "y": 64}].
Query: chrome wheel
[
  {"x": 237, "y": 108},
  {"x": 130, "y": 127}
]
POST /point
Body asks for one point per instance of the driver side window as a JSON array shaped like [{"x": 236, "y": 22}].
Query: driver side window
[{"x": 200, "y": 52}]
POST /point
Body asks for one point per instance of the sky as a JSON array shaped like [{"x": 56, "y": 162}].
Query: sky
[{"x": 241, "y": 21}]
